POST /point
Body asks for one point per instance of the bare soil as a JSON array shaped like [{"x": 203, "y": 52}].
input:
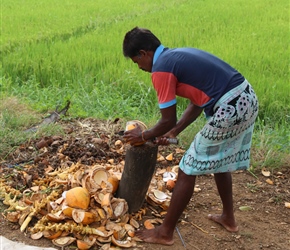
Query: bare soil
[{"x": 259, "y": 201}]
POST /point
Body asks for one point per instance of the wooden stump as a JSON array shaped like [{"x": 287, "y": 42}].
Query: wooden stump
[{"x": 139, "y": 168}]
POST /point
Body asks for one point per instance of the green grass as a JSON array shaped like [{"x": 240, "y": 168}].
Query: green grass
[
  {"x": 54, "y": 51},
  {"x": 15, "y": 118}
]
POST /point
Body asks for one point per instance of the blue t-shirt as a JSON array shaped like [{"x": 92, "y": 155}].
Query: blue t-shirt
[{"x": 193, "y": 74}]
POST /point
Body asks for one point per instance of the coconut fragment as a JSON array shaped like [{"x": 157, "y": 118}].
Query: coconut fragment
[
  {"x": 160, "y": 158},
  {"x": 86, "y": 243},
  {"x": 169, "y": 176},
  {"x": 84, "y": 217},
  {"x": 63, "y": 241},
  {"x": 99, "y": 175},
  {"x": 161, "y": 196},
  {"x": 169, "y": 157},
  {"x": 13, "y": 216},
  {"x": 134, "y": 223},
  {"x": 265, "y": 172},
  {"x": 55, "y": 217},
  {"x": 36, "y": 236},
  {"x": 122, "y": 244}
]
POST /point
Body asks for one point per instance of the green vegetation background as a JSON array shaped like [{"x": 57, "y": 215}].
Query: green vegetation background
[{"x": 54, "y": 51}]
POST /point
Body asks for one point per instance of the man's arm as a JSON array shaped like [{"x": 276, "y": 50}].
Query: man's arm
[
  {"x": 189, "y": 116},
  {"x": 165, "y": 124}
]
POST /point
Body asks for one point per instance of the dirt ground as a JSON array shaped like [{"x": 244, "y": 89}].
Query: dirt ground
[{"x": 259, "y": 201}]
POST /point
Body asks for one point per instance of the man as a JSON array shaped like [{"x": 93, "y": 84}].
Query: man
[{"x": 223, "y": 144}]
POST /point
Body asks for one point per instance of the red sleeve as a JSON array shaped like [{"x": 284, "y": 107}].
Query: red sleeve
[{"x": 165, "y": 85}]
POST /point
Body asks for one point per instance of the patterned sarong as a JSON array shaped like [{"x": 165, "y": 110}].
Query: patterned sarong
[{"x": 224, "y": 143}]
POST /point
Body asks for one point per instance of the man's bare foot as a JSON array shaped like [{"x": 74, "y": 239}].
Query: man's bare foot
[
  {"x": 230, "y": 226},
  {"x": 154, "y": 236}
]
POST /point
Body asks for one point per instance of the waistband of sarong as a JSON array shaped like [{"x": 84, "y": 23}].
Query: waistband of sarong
[{"x": 232, "y": 94}]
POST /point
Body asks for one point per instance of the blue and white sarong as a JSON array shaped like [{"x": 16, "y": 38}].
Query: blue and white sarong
[{"x": 224, "y": 143}]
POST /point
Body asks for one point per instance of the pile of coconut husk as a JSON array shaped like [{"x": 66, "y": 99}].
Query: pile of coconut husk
[{"x": 72, "y": 201}]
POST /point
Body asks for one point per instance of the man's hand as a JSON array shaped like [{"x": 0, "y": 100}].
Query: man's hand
[
  {"x": 162, "y": 141},
  {"x": 134, "y": 136}
]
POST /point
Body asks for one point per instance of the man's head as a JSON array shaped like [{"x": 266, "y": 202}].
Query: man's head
[{"x": 140, "y": 44}]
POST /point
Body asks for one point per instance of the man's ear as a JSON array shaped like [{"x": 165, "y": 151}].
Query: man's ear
[{"x": 142, "y": 52}]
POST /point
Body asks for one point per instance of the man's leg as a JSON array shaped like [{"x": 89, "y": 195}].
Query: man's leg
[
  {"x": 227, "y": 218},
  {"x": 182, "y": 193}
]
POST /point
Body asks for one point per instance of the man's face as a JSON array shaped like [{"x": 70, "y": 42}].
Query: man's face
[{"x": 144, "y": 60}]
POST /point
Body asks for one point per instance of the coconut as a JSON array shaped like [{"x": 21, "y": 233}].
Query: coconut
[{"x": 78, "y": 197}]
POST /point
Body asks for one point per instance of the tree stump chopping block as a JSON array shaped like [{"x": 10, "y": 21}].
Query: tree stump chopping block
[{"x": 140, "y": 162}]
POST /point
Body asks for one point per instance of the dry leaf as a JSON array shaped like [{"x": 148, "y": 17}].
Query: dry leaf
[
  {"x": 245, "y": 208},
  {"x": 269, "y": 181},
  {"x": 179, "y": 151}
]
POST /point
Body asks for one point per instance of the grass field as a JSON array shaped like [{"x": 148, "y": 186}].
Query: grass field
[{"x": 53, "y": 51}]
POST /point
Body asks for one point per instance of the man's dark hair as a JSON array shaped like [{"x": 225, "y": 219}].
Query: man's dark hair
[{"x": 139, "y": 39}]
